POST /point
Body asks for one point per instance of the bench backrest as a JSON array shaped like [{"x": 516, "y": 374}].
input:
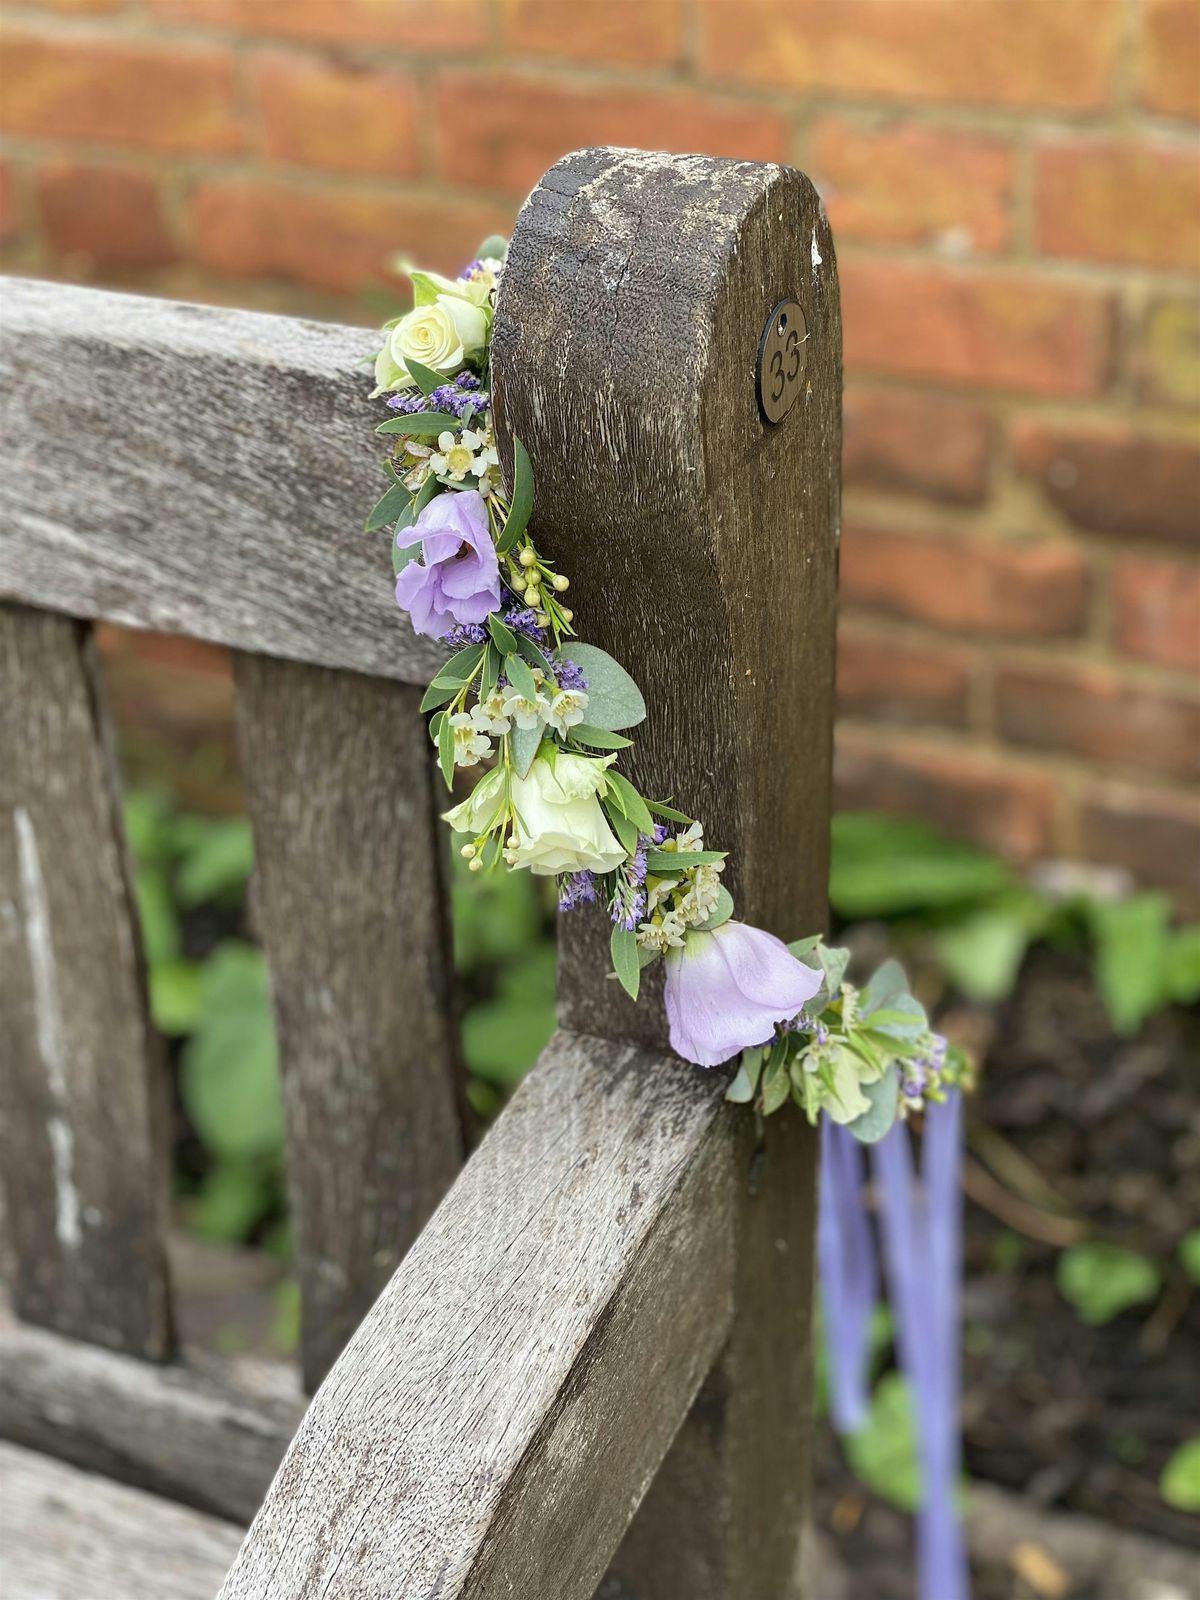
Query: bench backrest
[{"x": 616, "y": 1242}]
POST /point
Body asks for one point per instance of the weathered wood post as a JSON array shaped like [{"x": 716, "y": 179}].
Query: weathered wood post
[{"x": 639, "y": 353}]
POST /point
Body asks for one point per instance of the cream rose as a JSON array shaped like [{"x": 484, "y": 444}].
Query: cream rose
[
  {"x": 558, "y": 824},
  {"x": 556, "y": 817},
  {"x": 440, "y": 336}
]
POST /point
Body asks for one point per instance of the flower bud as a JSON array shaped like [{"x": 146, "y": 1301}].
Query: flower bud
[
  {"x": 542, "y": 618},
  {"x": 476, "y": 864},
  {"x": 467, "y": 852},
  {"x": 567, "y": 614},
  {"x": 528, "y": 556},
  {"x": 561, "y": 582}
]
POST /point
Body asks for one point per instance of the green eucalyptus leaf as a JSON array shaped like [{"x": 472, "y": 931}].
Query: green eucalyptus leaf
[
  {"x": 624, "y": 947},
  {"x": 884, "y": 1096},
  {"x": 776, "y": 1082},
  {"x": 902, "y": 1018},
  {"x": 420, "y": 424},
  {"x": 625, "y": 830},
  {"x": 890, "y": 980},
  {"x": 493, "y": 248},
  {"x": 439, "y": 694},
  {"x": 523, "y": 745},
  {"x": 521, "y": 504},
  {"x": 614, "y": 700},
  {"x": 741, "y": 1090},
  {"x": 670, "y": 863}
]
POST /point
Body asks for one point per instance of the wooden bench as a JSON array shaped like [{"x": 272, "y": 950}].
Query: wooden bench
[{"x": 587, "y": 1350}]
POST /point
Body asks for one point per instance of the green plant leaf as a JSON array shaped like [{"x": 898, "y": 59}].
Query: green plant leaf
[
  {"x": 217, "y": 857},
  {"x": 668, "y": 813},
  {"x": 1102, "y": 1280},
  {"x": 159, "y": 920},
  {"x": 1189, "y": 1254},
  {"x": 598, "y": 738},
  {"x": 614, "y": 700},
  {"x": 234, "y": 1197},
  {"x": 776, "y": 1081},
  {"x": 982, "y": 954},
  {"x": 445, "y": 748},
  {"x": 424, "y": 377},
  {"x": 494, "y": 247},
  {"x": 502, "y": 637},
  {"x": 625, "y": 830},
  {"x": 387, "y": 508},
  {"x": 520, "y": 676},
  {"x": 624, "y": 947},
  {"x": 440, "y": 694},
  {"x": 521, "y": 504},
  {"x": 884, "y": 1095},
  {"x": 420, "y": 424},
  {"x": 229, "y": 1072},
  {"x": 1133, "y": 944},
  {"x": 1180, "y": 1481},
  {"x": 670, "y": 863},
  {"x": 1183, "y": 966},
  {"x": 176, "y": 996},
  {"x": 461, "y": 666},
  {"x": 631, "y": 802},
  {"x": 885, "y": 866},
  {"x": 741, "y": 1090},
  {"x": 883, "y": 1453}
]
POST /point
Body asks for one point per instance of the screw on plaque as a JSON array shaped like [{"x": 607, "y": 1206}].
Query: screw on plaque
[{"x": 781, "y": 355}]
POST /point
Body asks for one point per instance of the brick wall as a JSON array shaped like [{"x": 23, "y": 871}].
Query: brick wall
[{"x": 1015, "y": 186}]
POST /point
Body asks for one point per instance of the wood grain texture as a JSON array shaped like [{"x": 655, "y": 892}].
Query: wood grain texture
[
  {"x": 66, "y": 1535},
  {"x": 196, "y": 471},
  {"x": 83, "y": 1137},
  {"x": 339, "y": 775},
  {"x": 205, "y": 1432},
  {"x": 702, "y": 547},
  {"x": 490, "y": 1427}
]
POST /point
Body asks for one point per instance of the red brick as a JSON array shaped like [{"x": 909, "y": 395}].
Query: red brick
[
  {"x": 1135, "y": 203},
  {"x": 999, "y": 52},
  {"x": 899, "y": 681},
  {"x": 1155, "y": 834},
  {"x": 338, "y": 239},
  {"x": 80, "y": 8},
  {"x": 10, "y": 204},
  {"x": 414, "y": 26},
  {"x": 1091, "y": 712},
  {"x": 1169, "y": 57},
  {"x": 1167, "y": 362},
  {"x": 1030, "y": 590},
  {"x": 634, "y": 33},
  {"x": 330, "y": 114},
  {"x": 1112, "y": 480},
  {"x": 901, "y": 440},
  {"x": 1003, "y": 805},
  {"x": 64, "y": 86},
  {"x": 993, "y": 330},
  {"x": 520, "y": 126},
  {"x": 1156, "y": 612},
  {"x": 104, "y": 215},
  {"x": 907, "y": 184}
]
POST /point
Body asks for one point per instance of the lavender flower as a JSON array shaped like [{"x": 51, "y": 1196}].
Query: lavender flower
[
  {"x": 408, "y": 403},
  {"x": 458, "y": 579},
  {"x": 570, "y": 676},
  {"x": 577, "y": 890},
  {"x": 727, "y": 989},
  {"x": 522, "y": 620},
  {"x": 464, "y": 634},
  {"x": 660, "y": 832}
]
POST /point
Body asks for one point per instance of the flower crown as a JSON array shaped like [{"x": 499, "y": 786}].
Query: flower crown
[{"x": 542, "y": 718}]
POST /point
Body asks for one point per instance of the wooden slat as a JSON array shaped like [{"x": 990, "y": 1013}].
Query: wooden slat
[
  {"x": 196, "y": 471},
  {"x": 339, "y": 775},
  {"x": 66, "y": 1535},
  {"x": 490, "y": 1427},
  {"x": 206, "y": 1432},
  {"x": 702, "y": 547},
  {"x": 83, "y": 1139}
]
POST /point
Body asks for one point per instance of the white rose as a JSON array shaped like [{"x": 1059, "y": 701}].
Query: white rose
[
  {"x": 559, "y": 826},
  {"x": 428, "y": 287},
  {"x": 440, "y": 336}
]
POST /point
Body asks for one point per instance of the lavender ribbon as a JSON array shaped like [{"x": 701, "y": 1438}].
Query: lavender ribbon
[
  {"x": 922, "y": 1238},
  {"x": 849, "y": 1276}
]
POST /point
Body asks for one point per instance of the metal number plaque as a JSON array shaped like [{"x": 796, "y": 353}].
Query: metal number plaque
[{"x": 781, "y": 352}]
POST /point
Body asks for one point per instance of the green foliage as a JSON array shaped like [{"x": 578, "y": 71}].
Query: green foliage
[
  {"x": 1189, "y": 1254},
  {"x": 883, "y": 1453},
  {"x": 229, "y": 1070},
  {"x": 614, "y": 700},
  {"x": 1102, "y": 1280},
  {"x": 977, "y": 919},
  {"x": 1180, "y": 1481}
]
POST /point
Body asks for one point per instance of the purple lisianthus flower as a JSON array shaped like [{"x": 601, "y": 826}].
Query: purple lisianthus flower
[
  {"x": 458, "y": 578},
  {"x": 726, "y": 990}
]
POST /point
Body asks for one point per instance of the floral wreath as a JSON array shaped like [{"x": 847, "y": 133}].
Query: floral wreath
[{"x": 542, "y": 718}]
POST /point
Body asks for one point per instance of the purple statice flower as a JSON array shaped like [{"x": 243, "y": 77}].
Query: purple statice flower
[
  {"x": 570, "y": 675},
  {"x": 457, "y": 579},
  {"x": 661, "y": 831},
  {"x": 636, "y": 870},
  {"x": 577, "y": 890},
  {"x": 726, "y": 990},
  {"x": 464, "y": 634},
  {"x": 467, "y": 379},
  {"x": 628, "y": 907},
  {"x": 407, "y": 402},
  {"x": 522, "y": 620}
]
